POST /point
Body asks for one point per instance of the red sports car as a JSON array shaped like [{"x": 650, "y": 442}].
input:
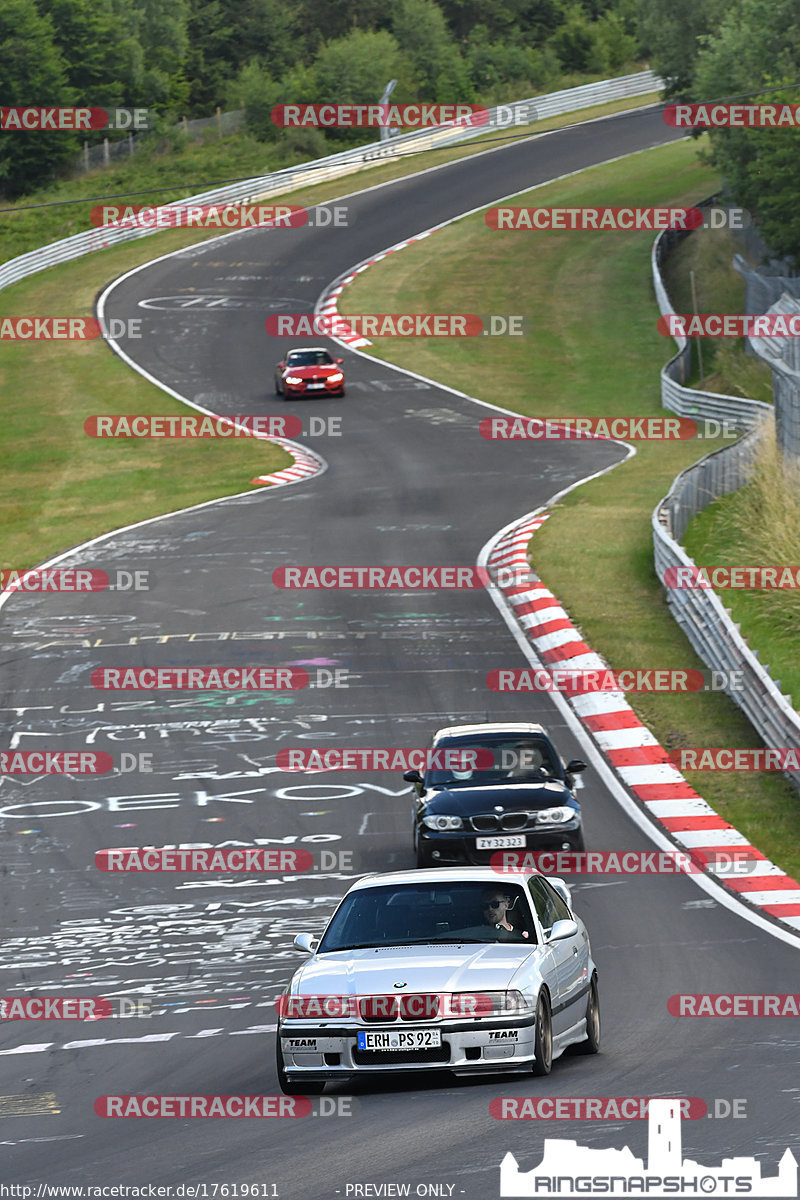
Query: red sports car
[{"x": 309, "y": 371}]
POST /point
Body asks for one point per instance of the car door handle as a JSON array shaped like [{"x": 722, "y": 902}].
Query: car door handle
[{"x": 574, "y": 949}]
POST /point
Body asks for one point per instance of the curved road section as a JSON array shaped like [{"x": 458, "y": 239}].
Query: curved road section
[{"x": 195, "y": 962}]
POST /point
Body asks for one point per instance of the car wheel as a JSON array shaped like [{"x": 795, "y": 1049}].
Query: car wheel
[
  {"x": 543, "y": 1045},
  {"x": 292, "y": 1087},
  {"x": 591, "y": 1044}
]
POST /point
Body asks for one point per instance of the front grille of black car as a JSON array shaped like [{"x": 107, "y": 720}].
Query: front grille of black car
[
  {"x": 386, "y": 1058},
  {"x": 507, "y": 822}
]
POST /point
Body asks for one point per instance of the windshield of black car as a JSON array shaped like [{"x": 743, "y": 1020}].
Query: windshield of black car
[
  {"x": 309, "y": 358},
  {"x": 427, "y": 913},
  {"x": 497, "y": 760}
]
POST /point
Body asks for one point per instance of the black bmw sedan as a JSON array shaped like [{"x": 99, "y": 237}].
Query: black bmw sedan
[{"x": 494, "y": 787}]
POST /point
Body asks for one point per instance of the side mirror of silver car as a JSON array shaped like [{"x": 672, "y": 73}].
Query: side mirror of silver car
[
  {"x": 306, "y": 941},
  {"x": 563, "y": 930}
]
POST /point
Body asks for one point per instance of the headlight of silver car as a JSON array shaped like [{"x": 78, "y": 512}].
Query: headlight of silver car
[
  {"x": 487, "y": 1004},
  {"x": 440, "y": 822},
  {"x": 555, "y": 816}
]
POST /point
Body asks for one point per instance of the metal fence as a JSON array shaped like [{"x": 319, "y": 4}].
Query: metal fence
[
  {"x": 783, "y": 356},
  {"x": 332, "y": 167},
  {"x": 699, "y": 611},
  {"x": 102, "y": 154},
  {"x": 739, "y": 411}
]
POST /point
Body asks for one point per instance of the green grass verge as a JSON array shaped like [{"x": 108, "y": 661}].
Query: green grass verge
[
  {"x": 60, "y": 487},
  {"x": 594, "y": 351}
]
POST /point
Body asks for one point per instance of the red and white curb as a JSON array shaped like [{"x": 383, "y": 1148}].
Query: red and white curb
[
  {"x": 306, "y": 464},
  {"x": 327, "y": 305},
  {"x": 629, "y": 747}
]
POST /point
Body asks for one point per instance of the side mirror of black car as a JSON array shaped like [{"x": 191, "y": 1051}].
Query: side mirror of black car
[
  {"x": 412, "y": 777},
  {"x": 575, "y": 765}
]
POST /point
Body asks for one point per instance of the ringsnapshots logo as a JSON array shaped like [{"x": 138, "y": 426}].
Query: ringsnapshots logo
[
  {"x": 45, "y": 118},
  {"x": 405, "y": 325},
  {"x": 569, "y": 1170}
]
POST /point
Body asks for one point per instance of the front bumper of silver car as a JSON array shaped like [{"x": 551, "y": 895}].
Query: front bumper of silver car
[{"x": 327, "y": 1052}]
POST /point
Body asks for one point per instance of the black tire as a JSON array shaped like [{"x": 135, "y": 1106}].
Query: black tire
[
  {"x": 591, "y": 1044},
  {"x": 291, "y": 1087},
  {"x": 543, "y": 1044}
]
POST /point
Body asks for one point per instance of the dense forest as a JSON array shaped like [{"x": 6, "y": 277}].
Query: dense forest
[
  {"x": 748, "y": 49},
  {"x": 185, "y": 57}
]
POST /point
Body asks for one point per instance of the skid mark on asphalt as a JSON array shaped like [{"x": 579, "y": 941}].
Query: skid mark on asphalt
[{"x": 41, "y": 1105}]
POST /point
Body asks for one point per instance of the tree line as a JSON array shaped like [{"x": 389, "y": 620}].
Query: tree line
[
  {"x": 748, "y": 51},
  {"x": 186, "y": 57}
]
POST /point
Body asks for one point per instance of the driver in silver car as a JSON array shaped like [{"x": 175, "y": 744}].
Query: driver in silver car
[{"x": 496, "y": 906}]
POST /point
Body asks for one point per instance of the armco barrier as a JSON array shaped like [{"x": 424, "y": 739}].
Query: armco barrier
[
  {"x": 335, "y": 165},
  {"x": 699, "y": 611},
  {"x": 690, "y": 402}
]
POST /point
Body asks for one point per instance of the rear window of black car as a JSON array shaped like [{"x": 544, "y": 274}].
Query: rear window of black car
[{"x": 516, "y": 758}]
